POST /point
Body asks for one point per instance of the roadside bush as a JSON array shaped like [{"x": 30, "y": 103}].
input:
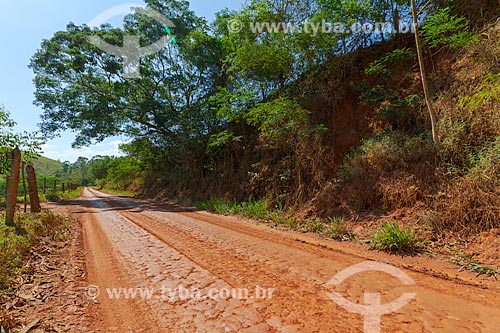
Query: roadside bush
[
  {"x": 280, "y": 218},
  {"x": 53, "y": 196},
  {"x": 258, "y": 209},
  {"x": 254, "y": 209},
  {"x": 124, "y": 173},
  {"x": 58, "y": 196},
  {"x": 219, "y": 206}
]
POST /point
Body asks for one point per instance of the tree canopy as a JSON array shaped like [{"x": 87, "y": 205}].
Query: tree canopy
[{"x": 218, "y": 101}]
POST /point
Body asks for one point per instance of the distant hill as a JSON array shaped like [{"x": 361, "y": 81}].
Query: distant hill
[{"x": 47, "y": 167}]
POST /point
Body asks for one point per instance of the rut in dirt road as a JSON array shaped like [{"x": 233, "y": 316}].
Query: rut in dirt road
[{"x": 157, "y": 268}]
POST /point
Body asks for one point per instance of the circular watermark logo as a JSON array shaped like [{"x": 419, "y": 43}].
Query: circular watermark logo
[
  {"x": 131, "y": 52},
  {"x": 373, "y": 309},
  {"x": 235, "y": 26},
  {"x": 92, "y": 292}
]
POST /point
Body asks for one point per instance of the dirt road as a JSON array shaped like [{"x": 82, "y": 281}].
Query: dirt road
[{"x": 157, "y": 268}]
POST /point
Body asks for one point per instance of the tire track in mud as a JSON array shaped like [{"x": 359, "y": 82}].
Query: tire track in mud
[
  {"x": 133, "y": 258},
  {"x": 285, "y": 311}
]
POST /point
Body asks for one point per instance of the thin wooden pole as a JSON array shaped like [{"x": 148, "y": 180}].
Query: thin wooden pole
[
  {"x": 24, "y": 187},
  {"x": 423, "y": 74}
]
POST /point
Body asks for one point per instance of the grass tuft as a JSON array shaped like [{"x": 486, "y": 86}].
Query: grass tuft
[
  {"x": 391, "y": 238},
  {"x": 338, "y": 229}
]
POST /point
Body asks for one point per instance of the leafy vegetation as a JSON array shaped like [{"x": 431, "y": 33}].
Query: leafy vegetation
[
  {"x": 16, "y": 245},
  {"x": 380, "y": 66},
  {"x": 252, "y": 209},
  {"x": 57, "y": 196},
  {"x": 391, "y": 238},
  {"x": 468, "y": 263},
  {"x": 338, "y": 229},
  {"x": 445, "y": 29},
  {"x": 29, "y": 143}
]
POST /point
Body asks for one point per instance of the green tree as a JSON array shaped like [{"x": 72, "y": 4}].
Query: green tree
[
  {"x": 99, "y": 166},
  {"x": 29, "y": 143},
  {"x": 82, "y": 88}
]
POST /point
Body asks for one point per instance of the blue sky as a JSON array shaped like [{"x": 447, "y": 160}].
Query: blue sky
[{"x": 23, "y": 25}]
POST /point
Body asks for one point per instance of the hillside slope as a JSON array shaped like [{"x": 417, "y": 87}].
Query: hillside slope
[
  {"x": 44, "y": 167},
  {"x": 47, "y": 167}
]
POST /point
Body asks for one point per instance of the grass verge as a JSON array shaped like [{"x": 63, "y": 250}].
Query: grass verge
[
  {"x": 335, "y": 228},
  {"x": 58, "y": 196},
  {"x": 117, "y": 192},
  {"x": 16, "y": 243}
]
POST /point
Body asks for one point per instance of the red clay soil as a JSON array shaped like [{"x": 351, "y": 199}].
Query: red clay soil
[
  {"x": 485, "y": 248},
  {"x": 190, "y": 272}
]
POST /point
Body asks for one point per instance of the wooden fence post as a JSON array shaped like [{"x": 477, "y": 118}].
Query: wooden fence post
[
  {"x": 24, "y": 186},
  {"x": 33, "y": 190},
  {"x": 12, "y": 186}
]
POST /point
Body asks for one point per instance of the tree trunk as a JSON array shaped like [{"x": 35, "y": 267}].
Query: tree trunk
[
  {"x": 423, "y": 74},
  {"x": 12, "y": 186},
  {"x": 55, "y": 186},
  {"x": 24, "y": 187},
  {"x": 63, "y": 187},
  {"x": 33, "y": 190},
  {"x": 45, "y": 185}
]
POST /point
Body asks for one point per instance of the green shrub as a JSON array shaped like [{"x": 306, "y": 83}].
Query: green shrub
[
  {"x": 254, "y": 209},
  {"x": 380, "y": 66},
  {"x": 444, "y": 29},
  {"x": 219, "y": 206},
  {"x": 391, "y": 238},
  {"x": 53, "y": 196},
  {"x": 486, "y": 92},
  {"x": 279, "y": 121},
  {"x": 280, "y": 218},
  {"x": 13, "y": 248},
  {"x": 470, "y": 205},
  {"x": 386, "y": 152}
]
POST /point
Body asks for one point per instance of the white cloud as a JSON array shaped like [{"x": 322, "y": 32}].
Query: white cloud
[{"x": 61, "y": 150}]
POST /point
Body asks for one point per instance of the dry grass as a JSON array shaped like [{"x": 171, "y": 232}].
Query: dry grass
[
  {"x": 390, "y": 172},
  {"x": 471, "y": 204}
]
